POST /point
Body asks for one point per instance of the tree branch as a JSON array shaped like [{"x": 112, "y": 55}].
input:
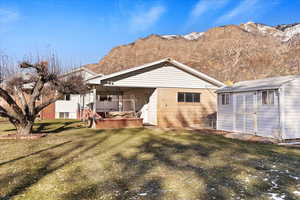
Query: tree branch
[
  {"x": 43, "y": 105},
  {"x": 4, "y": 113},
  {"x": 22, "y": 99},
  {"x": 11, "y": 102},
  {"x": 38, "y": 87}
]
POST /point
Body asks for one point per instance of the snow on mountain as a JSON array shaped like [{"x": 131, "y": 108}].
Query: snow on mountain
[
  {"x": 193, "y": 35},
  {"x": 190, "y": 36},
  {"x": 291, "y": 32},
  {"x": 283, "y": 32}
]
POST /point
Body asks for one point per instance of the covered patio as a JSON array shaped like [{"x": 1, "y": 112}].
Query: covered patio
[{"x": 120, "y": 106}]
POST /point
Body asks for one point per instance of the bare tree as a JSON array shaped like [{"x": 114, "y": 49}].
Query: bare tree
[{"x": 22, "y": 90}]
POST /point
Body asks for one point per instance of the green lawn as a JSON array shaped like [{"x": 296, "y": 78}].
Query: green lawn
[{"x": 79, "y": 163}]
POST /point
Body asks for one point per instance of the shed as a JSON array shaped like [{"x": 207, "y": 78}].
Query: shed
[{"x": 267, "y": 107}]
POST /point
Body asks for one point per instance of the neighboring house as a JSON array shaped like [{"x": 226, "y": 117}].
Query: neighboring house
[
  {"x": 164, "y": 93},
  {"x": 69, "y": 106},
  {"x": 266, "y": 107}
]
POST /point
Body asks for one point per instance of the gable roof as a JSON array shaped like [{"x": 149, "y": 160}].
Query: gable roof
[
  {"x": 83, "y": 68},
  {"x": 181, "y": 66},
  {"x": 259, "y": 84},
  {"x": 95, "y": 68}
]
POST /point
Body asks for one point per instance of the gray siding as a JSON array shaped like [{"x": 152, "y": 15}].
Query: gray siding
[
  {"x": 166, "y": 76},
  {"x": 268, "y": 118},
  {"x": 247, "y": 114},
  {"x": 291, "y": 110},
  {"x": 225, "y": 115}
]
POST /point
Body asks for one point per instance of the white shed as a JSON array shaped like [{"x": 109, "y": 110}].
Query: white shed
[{"x": 265, "y": 107}]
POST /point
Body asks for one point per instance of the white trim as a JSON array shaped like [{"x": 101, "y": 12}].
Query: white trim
[
  {"x": 281, "y": 98},
  {"x": 255, "y": 96},
  {"x": 234, "y": 111},
  {"x": 218, "y": 101},
  {"x": 137, "y": 86},
  {"x": 246, "y": 90},
  {"x": 174, "y": 62},
  {"x": 232, "y": 88}
]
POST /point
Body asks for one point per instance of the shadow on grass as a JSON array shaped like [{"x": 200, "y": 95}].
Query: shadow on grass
[
  {"x": 34, "y": 153},
  {"x": 221, "y": 180},
  {"x": 30, "y": 177},
  {"x": 59, "y": 127},
  {"x": 50, "y": 127},
  {"x": 51, "y": 162},
  {"x": 190, "y": 156}
]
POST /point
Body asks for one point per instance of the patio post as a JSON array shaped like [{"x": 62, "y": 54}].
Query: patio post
[
  {"x": 94, "y": 107},
  {"x": 94, "y": 100}
]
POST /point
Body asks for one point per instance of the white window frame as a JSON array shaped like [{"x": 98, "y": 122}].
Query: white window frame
[
  {"x": 270, "y": 98},
  {"x": 65, "y": 115}
]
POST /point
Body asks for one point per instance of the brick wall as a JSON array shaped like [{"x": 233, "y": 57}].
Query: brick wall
[
  {"x": 178, "y": 114},
  {"x": 48, "y": 112}
]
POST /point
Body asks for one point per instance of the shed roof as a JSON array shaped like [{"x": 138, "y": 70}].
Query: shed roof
[{"x": 259, "y": 84}]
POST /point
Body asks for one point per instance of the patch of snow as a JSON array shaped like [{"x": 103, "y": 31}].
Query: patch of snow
[
  {"x": 291, "y": 32},
  {"x": 283, "y": 34},
  {"x": 275, "y": 196},
  {"x": 274, "y": 184},
  {"x": 297, "y": 193},
  {"x": 190, "y": 36},
  {"x": 143, "y": 194},
  {"x": 294, "y": 177},
  {"x": 170, "y": 36},
  {"x": 193, "y": 35}
]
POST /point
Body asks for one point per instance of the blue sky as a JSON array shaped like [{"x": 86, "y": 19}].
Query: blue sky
[{"x": 83, "y": 31}]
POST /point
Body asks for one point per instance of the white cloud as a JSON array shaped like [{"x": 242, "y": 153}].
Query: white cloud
[
  {"x": 204, "y": 6},
  {"x": 244, "y": 8},
  {"x": 8, "y": 16},
  {"x": 142, "y": 20}
]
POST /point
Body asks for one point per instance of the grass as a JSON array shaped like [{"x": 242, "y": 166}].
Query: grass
[{"x": 79, "y": 163}]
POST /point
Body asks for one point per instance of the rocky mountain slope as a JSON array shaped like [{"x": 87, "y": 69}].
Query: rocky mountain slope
[{"x": 247, "y": 51}]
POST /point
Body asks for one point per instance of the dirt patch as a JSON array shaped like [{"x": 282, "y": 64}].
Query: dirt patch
[{"x": 22, "y": 137}]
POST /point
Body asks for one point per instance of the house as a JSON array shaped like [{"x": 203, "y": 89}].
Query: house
[
  {"x": 165, "y": 93},
  {"x": 69, "y": 106},
  {"x": 266, "y": 107}
]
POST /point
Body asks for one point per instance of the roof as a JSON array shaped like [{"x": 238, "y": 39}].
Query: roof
[
  {"x": 186, "y": 68},
  {"x": 94, "y": 68},
  {"x": 259, "y": 84},
  {"x": 83, "y": 68}
]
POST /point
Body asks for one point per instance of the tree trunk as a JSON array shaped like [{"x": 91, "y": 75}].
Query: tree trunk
[{"x": 24, "y": 128}]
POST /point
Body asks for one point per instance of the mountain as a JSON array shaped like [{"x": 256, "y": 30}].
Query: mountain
[{"x": 232, "y": 52}]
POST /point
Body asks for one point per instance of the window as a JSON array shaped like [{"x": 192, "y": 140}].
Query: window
[
  {"x": 180, "y": 97},
  {"x": 64, "y": 115},
  {"x": 188, "y": 97},
  {"x": 267, "y": 97},
  {"x": 225, "y": 99},
  {"x": 66, "y": 97},
  {"x": 104, "y": 98}
]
